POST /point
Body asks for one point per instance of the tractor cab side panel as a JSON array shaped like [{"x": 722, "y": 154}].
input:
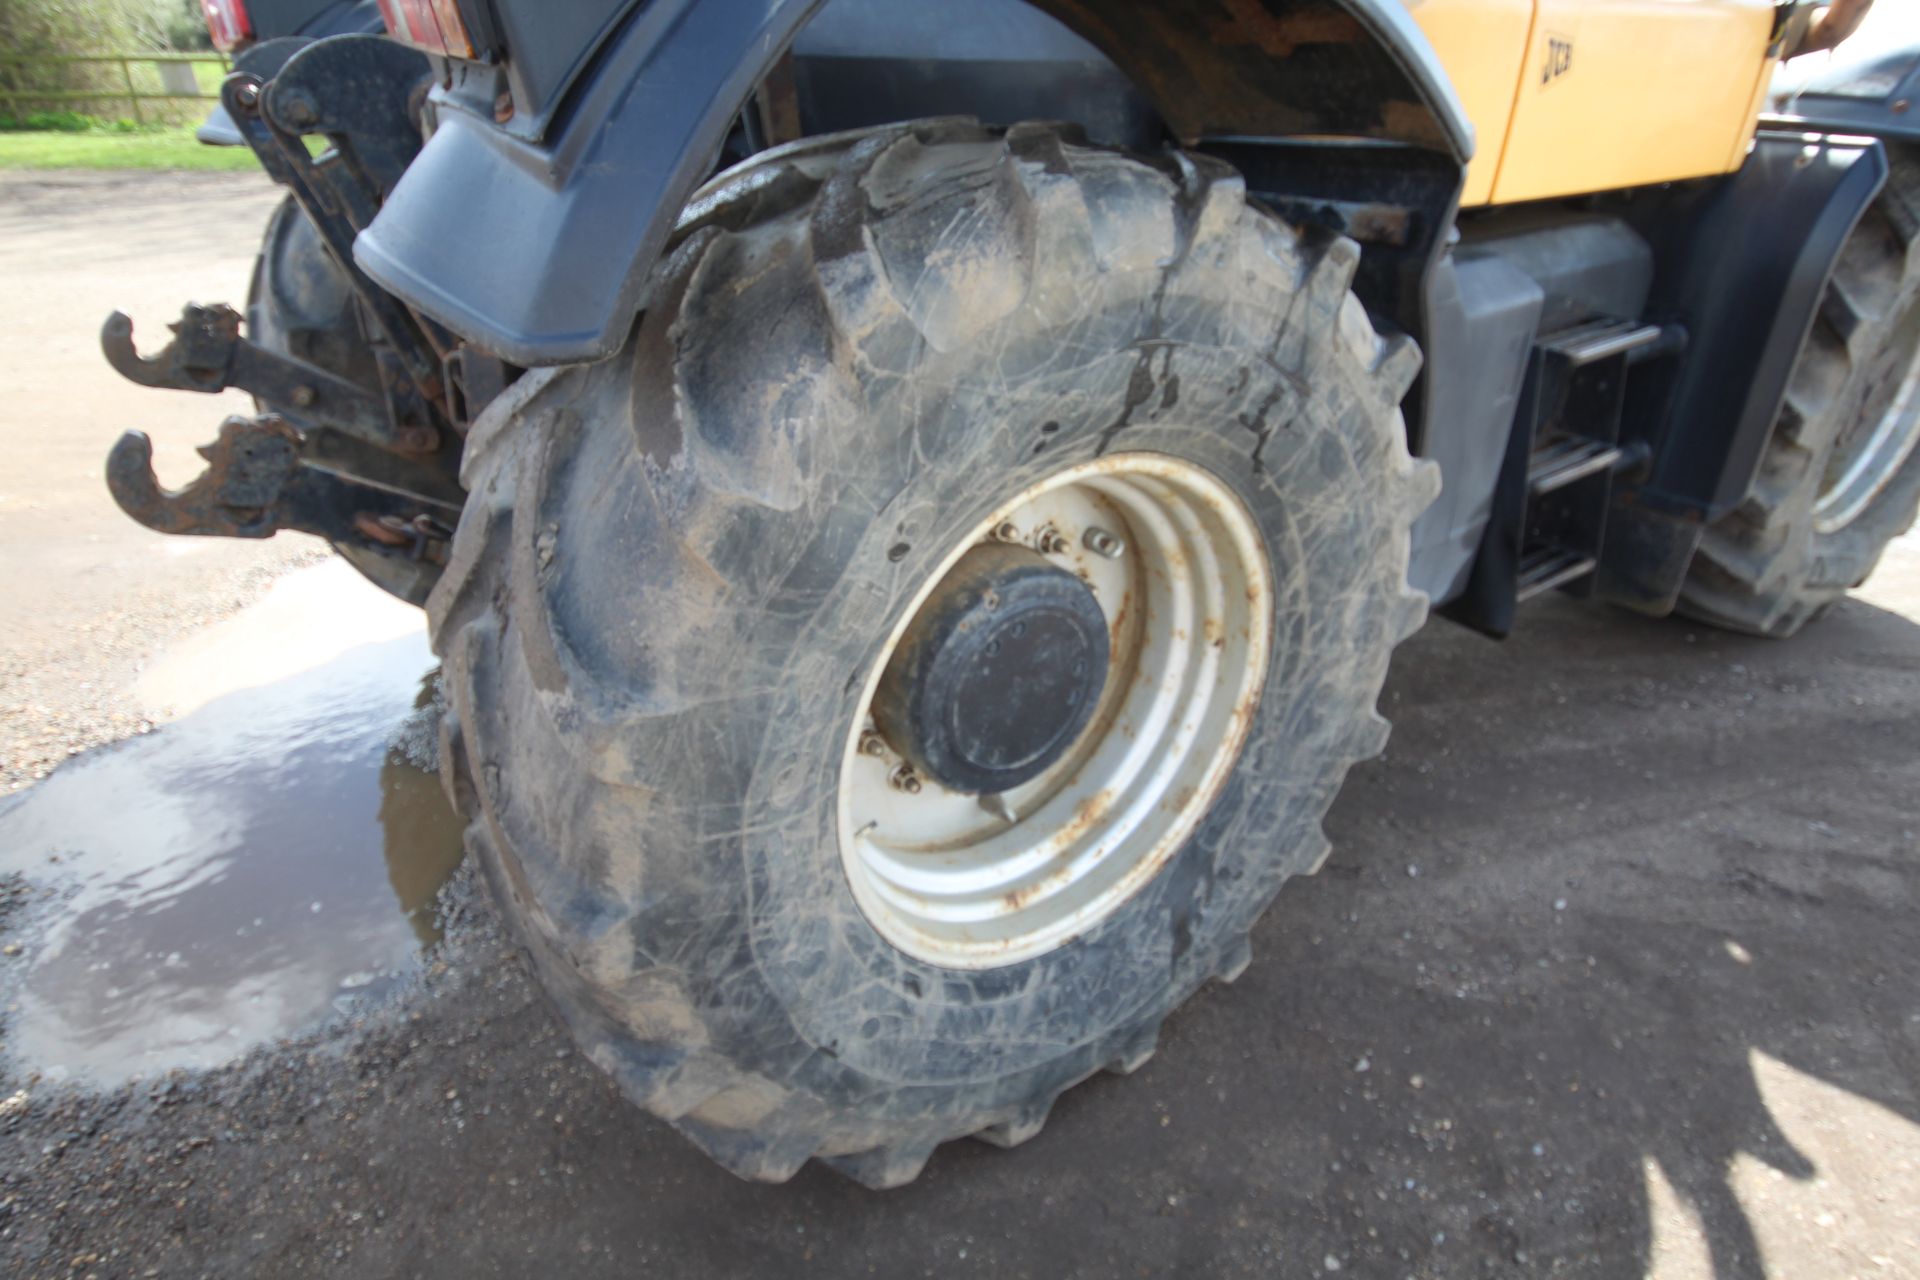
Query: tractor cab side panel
[{"x": 1625, "y": 93}]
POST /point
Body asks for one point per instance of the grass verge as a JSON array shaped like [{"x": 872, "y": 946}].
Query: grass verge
[{"x": 171, "y": 147}]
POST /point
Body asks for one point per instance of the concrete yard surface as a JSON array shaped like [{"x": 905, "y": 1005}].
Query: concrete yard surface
[{"x": 1613, "y": 970}]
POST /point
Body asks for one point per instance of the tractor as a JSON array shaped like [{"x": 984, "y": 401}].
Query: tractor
[{"x": 915, "y": 502}]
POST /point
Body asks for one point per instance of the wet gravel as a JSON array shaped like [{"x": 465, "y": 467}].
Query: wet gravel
[
  {"x": 64, "y": 694},
  {"x": 138, "y": 1180}
]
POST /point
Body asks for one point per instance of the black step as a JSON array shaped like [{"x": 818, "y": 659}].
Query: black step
[
  {"x": 1544, "y": 568},
  {"x": 1564, "y": 459},
  {"x": 1595, "y": 340}
]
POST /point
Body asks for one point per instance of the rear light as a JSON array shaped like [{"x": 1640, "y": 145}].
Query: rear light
[
  {"x": 227, "y": 23},
  {"x": 433, "y": 25}
]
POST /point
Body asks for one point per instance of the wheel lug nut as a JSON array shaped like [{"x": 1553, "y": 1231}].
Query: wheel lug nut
[
  {"x": 1049, "y": 542},
  {"x": 872, "y": 744},
  {"x": 1006, "y": 531},
  {"x": 1101, "y": 543},
  {"x": 903, "y": 778}
]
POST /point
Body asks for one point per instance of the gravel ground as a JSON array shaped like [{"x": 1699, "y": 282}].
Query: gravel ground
[
  {"x": 85, "y": 594},
  {"x": 1612, "y": 972}
]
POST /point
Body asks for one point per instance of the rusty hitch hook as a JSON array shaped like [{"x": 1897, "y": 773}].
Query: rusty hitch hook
[
  {"x": 233, "y": 498},
  {"x": 161, "y": 371}
]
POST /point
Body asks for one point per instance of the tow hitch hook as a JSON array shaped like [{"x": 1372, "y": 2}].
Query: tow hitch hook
[
  {"x": 247, "y": 467},
  {"x": 258, "y": 478},
  {"x": 208, "y": 354},
  {"x": 256, "y": 485}
]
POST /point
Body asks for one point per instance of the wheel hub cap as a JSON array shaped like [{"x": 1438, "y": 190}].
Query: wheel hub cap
[{"x": 997, "y": 674}]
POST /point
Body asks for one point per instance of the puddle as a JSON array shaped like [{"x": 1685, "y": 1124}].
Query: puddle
[{"x": 250, "y": 868}]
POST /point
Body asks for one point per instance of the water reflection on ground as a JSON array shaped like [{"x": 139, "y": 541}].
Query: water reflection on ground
[{"x": 239, "y": 874}]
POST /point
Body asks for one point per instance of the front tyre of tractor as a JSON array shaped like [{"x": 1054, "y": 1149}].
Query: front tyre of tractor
[
  {"x": 1840, "y": 477},
  {"x": 899, "y": 679}
]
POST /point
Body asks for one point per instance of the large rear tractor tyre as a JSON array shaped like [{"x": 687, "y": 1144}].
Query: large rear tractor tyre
[
  {"x": 904, "y": 674},
  {"x": 1840, "y": 477}
]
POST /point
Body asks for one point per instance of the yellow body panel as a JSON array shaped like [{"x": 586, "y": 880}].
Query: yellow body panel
[
  {"x": 1572, "y": 96},
  {"x": 1483, "y": 46}
]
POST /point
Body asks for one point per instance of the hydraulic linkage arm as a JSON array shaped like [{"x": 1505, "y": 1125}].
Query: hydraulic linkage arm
[{"x": 372, "y": 465}]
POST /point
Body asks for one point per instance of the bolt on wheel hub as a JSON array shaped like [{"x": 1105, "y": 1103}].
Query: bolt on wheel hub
[{"x": 1061, "y": 703}]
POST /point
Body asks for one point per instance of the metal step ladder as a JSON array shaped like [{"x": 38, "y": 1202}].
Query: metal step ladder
[
  {"x": 1576, "y": 450},
  {"x": 1550, "y": 510}
]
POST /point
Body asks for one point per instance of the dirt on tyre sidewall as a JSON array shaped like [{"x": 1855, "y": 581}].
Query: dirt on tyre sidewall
[
  {"x": 677, "y": 565},
  {"x": 1795, "y": 545}
]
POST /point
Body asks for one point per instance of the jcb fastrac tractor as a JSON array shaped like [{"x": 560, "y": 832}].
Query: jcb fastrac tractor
[{"x": 915, "y": 500}]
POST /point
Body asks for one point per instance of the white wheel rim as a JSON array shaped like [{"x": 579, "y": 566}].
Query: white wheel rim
[
  {"x": 1873, "y": 463},
  {"x": 970, "y": 882}
]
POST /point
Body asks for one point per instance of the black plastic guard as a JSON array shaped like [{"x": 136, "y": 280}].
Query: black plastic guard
[{"x": 1741, "y": 265}]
